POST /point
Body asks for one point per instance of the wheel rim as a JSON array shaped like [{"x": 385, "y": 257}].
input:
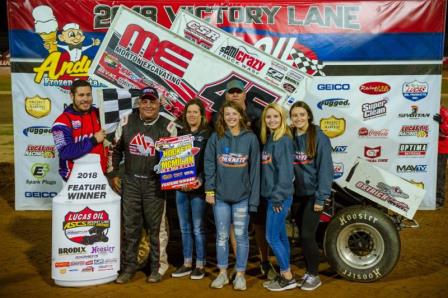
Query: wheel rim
[{"x": 360, "y": 245}]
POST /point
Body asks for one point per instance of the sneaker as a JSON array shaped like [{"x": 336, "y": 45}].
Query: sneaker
[
  {"x": 311, "y": 283},
  {"x": 198, "y": 273},
  {"x": 302, "y": 280},
  {"x": 124, "y": 277},
  {"x": 181, "y": 271},
  {"x": 268, "y": 270},
  {"x": 220, "y": 281},
  {"x": 154, "y": 277},
  {"x": 239, "y": 283},
  {"x": 268, "y": 282},
  {"x": 282, "y": 284}
]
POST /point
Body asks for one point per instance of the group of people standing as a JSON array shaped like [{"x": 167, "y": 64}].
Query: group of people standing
[{"x": 249, "y": 168}]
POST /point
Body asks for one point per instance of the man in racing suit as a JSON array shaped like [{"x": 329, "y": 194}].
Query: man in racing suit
[
  {"x": 142, "y": 200},
  {"x": 77, "y": 131}
]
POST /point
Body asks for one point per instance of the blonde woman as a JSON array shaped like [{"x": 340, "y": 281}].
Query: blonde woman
[{"x": 277, "y": 188}]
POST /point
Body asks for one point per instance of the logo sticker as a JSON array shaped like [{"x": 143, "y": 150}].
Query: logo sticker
[
  {"x": 374, "y": 88},
  {"x": 86, "y": 226},
  {"x": 415, "y": 90},
  {"x": 333, "y": 103},
  {"x": 332, "y": 126},
  {"x": 37, "y": 106}
]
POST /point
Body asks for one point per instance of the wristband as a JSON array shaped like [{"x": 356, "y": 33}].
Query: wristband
[{"x": 210, "y": 192}]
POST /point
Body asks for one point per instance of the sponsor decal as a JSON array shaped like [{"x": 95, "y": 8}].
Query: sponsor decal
[
  {"x": 40, "y": 170},
  {"x": 37, "y": 107},
  {"x": 88, "y": 269},
  {"x": 76, "y": 124},
  {"x": 98, "y": 261},
  {"x": 333, "y": 87},
  {"x": 61, "y": 264},
  {"x": 419, "y": 184},
  {"x": 266, "y": 158},
  {"x": 40, "y": 194},
  {"x": 86, "y": 226},
  {"x": 63, "y": 270},
  {"x": 200, "y": 34},
  {"x": 412, "y": 149},
  {"x": 300, "y": 158},
  {"x": 233, "y": 160},
  {"x": 71, "y": 250},
  {"x": 338, "y": 168},
  {"x": 373, "y": 154},
  {"x": 415, "y": 90},
  {"x": 420, "y": 131},
  {"x": 37, "y": 130},
  {"x": 414, "y": 114},
  {"x": 77, "y": 263},
  {"x": 411, "y": 168},
  {"x": 364, "y": 132},
  {"x": 339, "y": 149},
  {"x": 242, "y": 57},
  {"x": 381, "y": 192},
  {"x": 102, "y": 249},
  {"x": 374, "y": 88},
  {"x": 393, "y": 191},
  {"x": 43, "y": 181},
  {"x": 374, "y": 109},
  {"x": 275, "y": 74},
  {"x": 46, "y": 151},
  {"x": 332, "y": 126},
  {"x": 289, "y": 87},
  {"x": 333, "y": 103},
  {"x": 142, "y": 145}
]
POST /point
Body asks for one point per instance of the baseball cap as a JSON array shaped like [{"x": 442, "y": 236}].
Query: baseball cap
[
  {"x": 234, "y": 84},
  {"x": 149, "y": 93}
]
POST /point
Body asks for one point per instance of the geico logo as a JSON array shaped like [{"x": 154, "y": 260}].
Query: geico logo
[
  {"x": 40, "y": 194},
  {"x": 164, "y": 53},
  {"x": 333, "y": 87},
  {"x": 71, "y": 250}
]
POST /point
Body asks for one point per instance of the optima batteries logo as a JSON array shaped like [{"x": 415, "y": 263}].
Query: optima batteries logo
[
  {"x": 333, "y": 103},
  {"x": 412, "y": 149},
  {"x": 374, "y": 88},
  {"x": 415, "y": 90},
  {"x": 86, "y": 226}
]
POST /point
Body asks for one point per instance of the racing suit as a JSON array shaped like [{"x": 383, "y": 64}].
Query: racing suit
[
  {"x": 142, "y": 199},
  {"x": 73, "y": 136}
]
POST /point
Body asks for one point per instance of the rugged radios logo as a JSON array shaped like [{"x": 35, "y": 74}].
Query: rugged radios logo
[{"x": 87, "y": 226}]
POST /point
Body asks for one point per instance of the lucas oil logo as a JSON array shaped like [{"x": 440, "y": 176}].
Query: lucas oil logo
[
  {"x": 37, "y": 106},
  {"x": 243, "y": 58},
  {"x": 142, "y": 145},
  {"x": 415, "y": 90},
  {"x": 86, "y": 226},
  {"x": 332, "y": 126}
]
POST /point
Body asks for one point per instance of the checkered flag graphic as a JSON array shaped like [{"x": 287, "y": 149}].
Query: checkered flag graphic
[
  {"x": 115, "y": 105},
  {"x": 307, "y": 65}
]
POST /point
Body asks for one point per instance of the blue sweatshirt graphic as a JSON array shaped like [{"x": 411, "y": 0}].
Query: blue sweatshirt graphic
[
  {"x": 313, "y": 176},
  {"x": 277, "y": 173},
  {"x": 232, "y": 168}
]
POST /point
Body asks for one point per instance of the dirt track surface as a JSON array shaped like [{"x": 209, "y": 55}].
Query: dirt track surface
[{"x": 26, "y": 254}]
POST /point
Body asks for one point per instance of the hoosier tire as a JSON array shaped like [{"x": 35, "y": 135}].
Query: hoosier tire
[{"x": 362, "y": 244}]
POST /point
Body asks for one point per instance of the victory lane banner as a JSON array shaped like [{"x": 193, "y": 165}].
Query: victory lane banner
[
  {"x": 176, "y": 167},
  {"x": 137, "y": 52}
]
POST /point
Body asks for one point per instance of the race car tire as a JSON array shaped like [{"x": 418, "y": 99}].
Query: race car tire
[{"x": 362, "y": 244}]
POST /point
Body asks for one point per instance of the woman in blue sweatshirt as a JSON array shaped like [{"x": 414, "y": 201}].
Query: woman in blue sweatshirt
[
  {"x": 277, "y": 186},
  {"x": 190, "y": 202},
  {"x": 232, "y": 182},
  {"x": 313, "y": 170}
]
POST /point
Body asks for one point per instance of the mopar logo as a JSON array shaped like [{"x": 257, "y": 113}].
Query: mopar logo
[
  {"x": 40, "y": 194},
  {"x": 329, "y": 87},
  {"x": 37, "y": 130},
  {"x": 333, "y": 103}
]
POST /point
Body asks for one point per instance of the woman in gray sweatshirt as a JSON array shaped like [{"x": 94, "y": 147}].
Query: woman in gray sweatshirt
[
  {"x": 232, "y": 182},
  {"x": 313, "y": 170}
]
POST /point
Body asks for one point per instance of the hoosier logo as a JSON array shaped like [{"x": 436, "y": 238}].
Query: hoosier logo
[
  {"x": 332, "y": 126},
  {"x": 37, "y": 106}
]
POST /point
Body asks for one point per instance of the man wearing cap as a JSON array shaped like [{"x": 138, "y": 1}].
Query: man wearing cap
[
  {"x": 235, "y": 92},
  {"x": 142, "y": 199},
  {"x": 73, "y": 36}
]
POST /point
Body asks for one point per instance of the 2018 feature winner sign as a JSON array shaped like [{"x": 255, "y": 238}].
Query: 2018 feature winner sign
[
  {"x": 176, "y": 167},
  {"x": 137, "y": 52}
]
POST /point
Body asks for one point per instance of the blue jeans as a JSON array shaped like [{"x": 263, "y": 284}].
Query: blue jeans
[
  {"x": 238, "y": 214},
  {"x": 191, "y": 212},
  {"x": 276, "y": 233}
]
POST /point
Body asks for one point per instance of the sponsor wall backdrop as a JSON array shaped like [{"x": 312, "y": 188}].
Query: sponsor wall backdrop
[{"x": 375, "y": 70}]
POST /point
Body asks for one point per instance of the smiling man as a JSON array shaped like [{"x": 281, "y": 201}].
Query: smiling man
[
  {"x": 77, "y": 131},
  {"x": 143, "y": 201}
]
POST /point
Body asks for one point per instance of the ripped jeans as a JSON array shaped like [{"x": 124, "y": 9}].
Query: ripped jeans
[{"x": 238, "y": 214}]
